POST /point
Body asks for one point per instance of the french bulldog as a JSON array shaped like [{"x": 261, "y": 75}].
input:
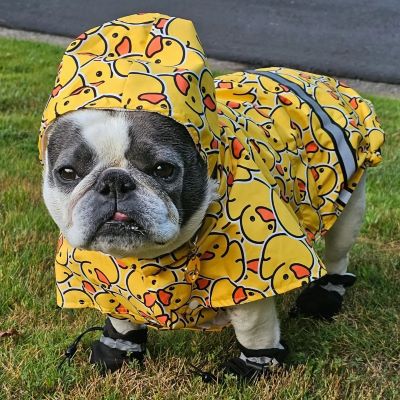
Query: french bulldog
[{"x": 133, "y": 183}]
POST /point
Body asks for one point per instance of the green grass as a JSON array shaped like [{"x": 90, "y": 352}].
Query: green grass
[{"x": 356, "y": 357}]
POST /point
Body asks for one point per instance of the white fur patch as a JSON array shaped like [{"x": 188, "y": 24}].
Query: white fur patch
[{"x": 107, "y": 134}]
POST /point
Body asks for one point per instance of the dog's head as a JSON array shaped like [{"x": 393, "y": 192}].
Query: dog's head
[{"x": 127, "y": 183}]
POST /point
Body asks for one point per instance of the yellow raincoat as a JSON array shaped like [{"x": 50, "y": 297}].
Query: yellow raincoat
[{"x": 286, "y": 147}]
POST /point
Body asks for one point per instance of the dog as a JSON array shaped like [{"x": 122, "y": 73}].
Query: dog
[{"x": 189, "y": 202}]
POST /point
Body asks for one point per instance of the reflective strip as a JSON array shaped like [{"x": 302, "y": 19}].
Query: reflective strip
[
  {"x": 123, "y": 345},
  {"x": 344, "y": 196},
  {"x": 345, "y": 152},
  {"x": 259, "y": 362}
]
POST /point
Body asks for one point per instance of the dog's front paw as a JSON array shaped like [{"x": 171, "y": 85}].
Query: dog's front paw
[
  {"x": 114, "y": 349},
  {"x": 252, "y": 364},
  {"x": 323, "y": 298}
]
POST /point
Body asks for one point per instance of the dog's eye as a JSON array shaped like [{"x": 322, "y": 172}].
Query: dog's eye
[
  {"x": 164, "y": 170},
  {"x": 68, "y": 174}
]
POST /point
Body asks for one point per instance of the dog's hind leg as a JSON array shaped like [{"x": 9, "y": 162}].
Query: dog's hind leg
[
  {"x": 122, "y": 341},
  {"x": 323, "y": 298},
  {"x": 257, "y": 330},
  {"x": 341, "y": 238}
]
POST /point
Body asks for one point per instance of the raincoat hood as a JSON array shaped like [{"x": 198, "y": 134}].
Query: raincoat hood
[
  {"x": 148, "y": 62},
  {"x": 287, "y": 149}
]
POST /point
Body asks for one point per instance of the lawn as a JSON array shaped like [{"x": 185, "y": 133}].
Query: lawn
[{"x": 356, "y": 357}]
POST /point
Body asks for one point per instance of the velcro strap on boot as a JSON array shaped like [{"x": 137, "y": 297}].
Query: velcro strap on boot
[
  {"x": 253, "y": 364},
  {"x": 259, "y": 358},
  {"x": 138, "y": 336},
  {"x": 346, "y": 280},
  {"x": 123, "y": 345}
]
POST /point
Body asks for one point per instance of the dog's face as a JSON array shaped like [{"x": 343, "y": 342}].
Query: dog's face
[{"x": 127, "y": 183}]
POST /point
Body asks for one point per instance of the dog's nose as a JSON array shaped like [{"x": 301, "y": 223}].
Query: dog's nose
[{"x": 115, "y": 183}]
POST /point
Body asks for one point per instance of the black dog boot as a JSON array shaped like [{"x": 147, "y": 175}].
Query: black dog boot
[
  {"x": 252, "y": 364},
  {"x": 114, "y": 349},
  {"x": 323, "y": 298}
]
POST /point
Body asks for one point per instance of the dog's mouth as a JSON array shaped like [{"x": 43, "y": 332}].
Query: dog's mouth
[
  {"x": 121, "y": 222},
  {"x": 123, "y": 233}
]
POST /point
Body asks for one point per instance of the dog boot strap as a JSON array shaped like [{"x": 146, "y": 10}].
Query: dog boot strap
[
  {"x": 123, "y": 345},
  {"x": 346, "y": 280},
  {"x": 264, "y": 357},
  {"x": 251, "y": 364},
  {"x": 114, "y": 348},
  {"x": 138, "y": 336}
]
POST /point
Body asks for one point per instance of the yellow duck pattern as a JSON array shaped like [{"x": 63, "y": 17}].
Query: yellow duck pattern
[{"x": 286, "y": 147}]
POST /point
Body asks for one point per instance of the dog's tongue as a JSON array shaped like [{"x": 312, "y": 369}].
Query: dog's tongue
[{"x": 118, "y": 216}]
